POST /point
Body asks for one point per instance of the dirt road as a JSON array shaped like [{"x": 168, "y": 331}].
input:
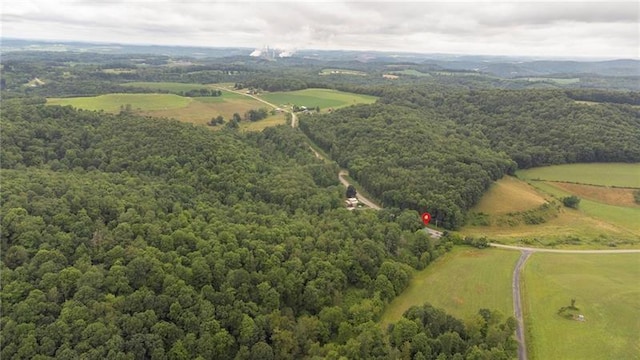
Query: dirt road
[{"x": 517, "y": 305}]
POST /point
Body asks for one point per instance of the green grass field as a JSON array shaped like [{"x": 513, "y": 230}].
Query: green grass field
[
  {"x": 606, "y": 174},
  {"x": 461, "y": 282},
  {"x": 324, "y": 98},
  {"x": 113, "y": 102},
  {"x": 607, "y": 292}
]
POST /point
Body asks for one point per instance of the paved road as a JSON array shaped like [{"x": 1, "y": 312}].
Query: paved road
[
  {"x": 532, "y": 250},
  {"x": 517, "y": 305},
  {"x": 341, "y": 174}
]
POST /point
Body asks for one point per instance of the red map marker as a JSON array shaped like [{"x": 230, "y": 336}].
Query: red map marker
[{"x": 426, "y": 217}]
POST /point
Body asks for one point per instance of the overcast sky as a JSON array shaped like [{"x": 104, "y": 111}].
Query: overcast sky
[{"x": 535, "y": 28}]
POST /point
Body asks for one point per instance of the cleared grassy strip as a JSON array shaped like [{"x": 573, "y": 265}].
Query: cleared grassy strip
[
  {"x": 606, "y": 174},
  {"x": 323, "y": 98},
  {"x": 509, "y": 194},
  {"x": 606, "y": 291},
  {"x": 560, "y": 81},
  {"x": 273, "y": 120},
  {"x": 461, "y": 282},
  {"x": 113, "y": 102}
]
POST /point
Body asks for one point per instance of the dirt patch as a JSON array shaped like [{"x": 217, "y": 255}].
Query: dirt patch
[{"x": 606, "y": 195}]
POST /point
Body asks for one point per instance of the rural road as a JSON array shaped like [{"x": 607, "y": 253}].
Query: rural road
[
  {"x": 561, "y": 251},
  {"x": 517, "y": 305},
  {"x": 294, "y": 118},
  {"x": 341, "y": 174},
  {"x": 515, "y": 285}
]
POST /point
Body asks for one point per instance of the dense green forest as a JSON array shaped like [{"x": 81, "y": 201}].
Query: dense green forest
[
  {"x": 129, "y": 238},
  {"x": 439, "y": 151},
  {"x": 411, "y": 159}
]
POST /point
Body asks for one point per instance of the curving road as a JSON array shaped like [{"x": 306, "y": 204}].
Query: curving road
[{"x": 341, "y": 176}]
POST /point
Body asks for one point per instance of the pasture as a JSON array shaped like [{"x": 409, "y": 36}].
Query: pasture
[
  {"x": 605, "y": 174},
  {"x": 168, "y": 86},
  {"x": 411, "y": 72},
  {"x": 312, "y": 98},
  {"x": 607, "y": 293},
  {"x": 462, "y": 282}
]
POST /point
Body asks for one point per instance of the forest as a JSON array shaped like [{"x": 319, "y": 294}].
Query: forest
[{"x": 128, "y": 238}]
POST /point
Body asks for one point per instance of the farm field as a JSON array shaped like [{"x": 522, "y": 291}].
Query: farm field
[
  {"x": 168, "y": 86},
  {"x": 461, "y": 282},
  {"x": 113, "y": 102},
  {"x": 607, "y": 293},
  {"x": 606, "y": 174},
  {"x": 323, "y": 98},
  {"x": 605, "y": 215},
  {"x": 559, "y": 81},
  {"x": 197, "y": 110}
]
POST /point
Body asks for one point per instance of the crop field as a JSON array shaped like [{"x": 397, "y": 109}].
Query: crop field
[
  {"x": 461, "y": 282},
  {"x": 113, "y": 102},
  {"x": 323, "y": 98},
  {"x": 607, "y": 293},
  {"x": 509, "y": 195},
  {"x": 606, "y": 174}
]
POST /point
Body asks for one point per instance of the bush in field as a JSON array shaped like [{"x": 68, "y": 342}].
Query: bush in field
[{"x": 571, "y": 201}]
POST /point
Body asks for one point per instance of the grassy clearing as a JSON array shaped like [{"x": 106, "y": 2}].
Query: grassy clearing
[
  {"x": 509, "y": 195},
  {"x": 273, "y": 120},
  {"x": 461, "y": 282},
  {"x": 605, "y": 174},
  {"x": 607, "y": 293},
  {"x": 323, "y": 98},
  {"x": 113, "y": 102}
]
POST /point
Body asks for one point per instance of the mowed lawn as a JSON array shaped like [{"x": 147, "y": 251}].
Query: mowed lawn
[
  {"x": 461, "y": 282},
  {"x": 607, "y": 292},
  {"x": 312, "y": 98},
  {"x": 606, "y": 174}
]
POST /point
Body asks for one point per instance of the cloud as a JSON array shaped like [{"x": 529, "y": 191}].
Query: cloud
[{"x": 568, "y": 28}]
